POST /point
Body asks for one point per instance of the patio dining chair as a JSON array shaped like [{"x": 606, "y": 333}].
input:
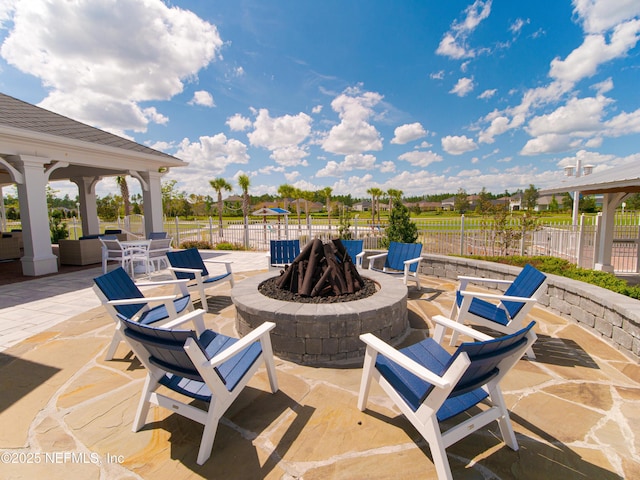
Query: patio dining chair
[
  {"x": 504, "y": 313},
  {"x": 202, "y": 365},
  {"x": 113, "y": 250},
  {"x": 123, "y": 299},
  {"x": 189, "y": 265},
  {"x": 402, "y": 259},
  {"x": 431, "y": 386}
]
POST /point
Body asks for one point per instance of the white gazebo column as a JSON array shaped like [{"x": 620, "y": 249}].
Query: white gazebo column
[
  {"x": 152, "y": 201},
  {"x": 38, "y": 258},
  {"x": 88, "y": 204},
  {"x": 605, "y": 247}
]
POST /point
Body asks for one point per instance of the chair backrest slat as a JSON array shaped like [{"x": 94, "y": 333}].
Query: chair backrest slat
[
  {"x": 400, "y": 252},
  {"x": 117, "y": 285},
  {"x": 189, "y": 258},
  {"x": 524, "y": 285},
  {"x": 353, "y": 248},
  {"x": 165, "y": 347},
  {"x": 485, "y": 359},
  {"x": 284, "y": 251},
  {"x": 157, "y": 235}
]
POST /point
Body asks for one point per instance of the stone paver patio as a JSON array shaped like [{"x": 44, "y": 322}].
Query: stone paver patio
[{"x": 67, "y": 414}]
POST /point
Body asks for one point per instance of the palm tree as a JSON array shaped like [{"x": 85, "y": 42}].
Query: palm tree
[
  {"x": 326, "y": 193},
  {"x": 375, "y": 193},
  {"x": 218, "y": 185},
  {"x": 393, "y": 195},
  {"x": 298, "y": 194},
  {"x": 244, "y": 182},
  {"x": 286, "y": 191},
  {"x": 124, "y": 193}
]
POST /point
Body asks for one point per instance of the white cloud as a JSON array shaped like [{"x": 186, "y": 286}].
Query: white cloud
[
  {"x": 351, "y": 162},
  {"x": 585, "y": 60},
  {"x": 420, "y": 159},
  {"x": 488, "y": 93},
  {"x": 548, "y": 143},
  {"x": 408, "y": 133},
  {"x": 354, "y": 134},
  {"x": 316, "y": 109},
  {"x": 291, "y": 176},
  {"x": 463, "y": 86},
  {"x": 516, "y": 26},
  {"x": 498, "y": 126},
  {"x": 387, "y": 167},
  {"x": 91, "y": 54},
  {"x": 202, "y": 97},
  {"x": 282, "y": 135},
  {"x": 600, "y": 15},
  {"x": 437, "y": 75},
  {"x": 212, "y": 154},
  {"x": 623, "y": 124},
  {"x": 238, "y": 123},
  {"x": 575, "y": 117},
  {"x": 603, "y": 87},
  {"x": 454, "y": 42},
  {"x": 290, "y": 156},
  {"x": 457, "y": 145}
]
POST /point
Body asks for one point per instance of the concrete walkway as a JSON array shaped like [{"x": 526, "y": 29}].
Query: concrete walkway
[{"x": 66, "y": 413}]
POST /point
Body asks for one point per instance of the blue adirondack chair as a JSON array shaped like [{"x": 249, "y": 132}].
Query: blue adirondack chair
[
  {"x": 188, "y": 264},
  {"x": 123, "y": 299},
  {"x": 205, "y": 366},
  {"x": 355, "y": 250},
  {"x": 429, "y": 385},
  {"x": 402, "y": 259},
  {"x": 282, "y": 252},
  {"x": 508, "y": 311}
]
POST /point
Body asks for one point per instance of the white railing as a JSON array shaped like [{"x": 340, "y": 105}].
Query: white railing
[{"x": 449, "y": 236}]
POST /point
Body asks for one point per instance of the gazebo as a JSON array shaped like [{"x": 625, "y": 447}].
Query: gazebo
[
  {"x": 38, "y": 146},
  {"x": 614, "y": 184}
]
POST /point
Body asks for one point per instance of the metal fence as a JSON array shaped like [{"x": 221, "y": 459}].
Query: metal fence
[{"x": 449, "y": 236}]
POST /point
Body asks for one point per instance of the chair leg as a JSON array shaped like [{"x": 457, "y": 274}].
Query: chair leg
[
  {"x": 115, "y": 341},
  {"x": 209, "y": 434},
  {"x": 431, "y": 433},
  {"x": 143, "y": 406},
  {"x": 365, "y": 382},
  {"x": 504, "y": 422},
  {"x": 267, "y": 355}
]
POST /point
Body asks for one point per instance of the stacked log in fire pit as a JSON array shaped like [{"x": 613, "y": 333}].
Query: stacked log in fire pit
[{"x": 321, "y": 269}]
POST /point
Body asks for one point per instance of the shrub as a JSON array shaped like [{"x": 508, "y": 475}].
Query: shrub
[
  {"x": 564, "y": 268},
  {"x": 199, "y": 244}
]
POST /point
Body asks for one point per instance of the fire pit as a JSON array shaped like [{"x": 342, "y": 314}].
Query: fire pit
[{"x": 324, "y": 333}]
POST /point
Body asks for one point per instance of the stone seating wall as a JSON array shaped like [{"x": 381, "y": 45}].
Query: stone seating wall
[{"x": 612, "y": 316}]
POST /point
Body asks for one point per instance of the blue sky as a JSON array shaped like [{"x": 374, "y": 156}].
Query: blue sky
[{"x": 422, "y": 96}]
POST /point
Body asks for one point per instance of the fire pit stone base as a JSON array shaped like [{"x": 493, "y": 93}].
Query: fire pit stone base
[{"x": 324, "y": 333}]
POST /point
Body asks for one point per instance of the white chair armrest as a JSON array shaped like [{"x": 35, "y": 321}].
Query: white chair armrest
[
  {"x": 243, "y": 343},
  {"x": 414, "y": 367},
  {"x": 443, "y": 323},
  {"x": 185, "y": 270},
  {"x": 373, "y": 258},
  {"x": 197, "y": 317},
  {"x": 493, "y": 296},
  {"x": 483, "y": 279},
  {"x": 161, "y": 283},
  {"x": 129, "y": 301}
]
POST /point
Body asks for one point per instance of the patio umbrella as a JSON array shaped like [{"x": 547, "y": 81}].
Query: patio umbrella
[{"x": 270, "y": 212}]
